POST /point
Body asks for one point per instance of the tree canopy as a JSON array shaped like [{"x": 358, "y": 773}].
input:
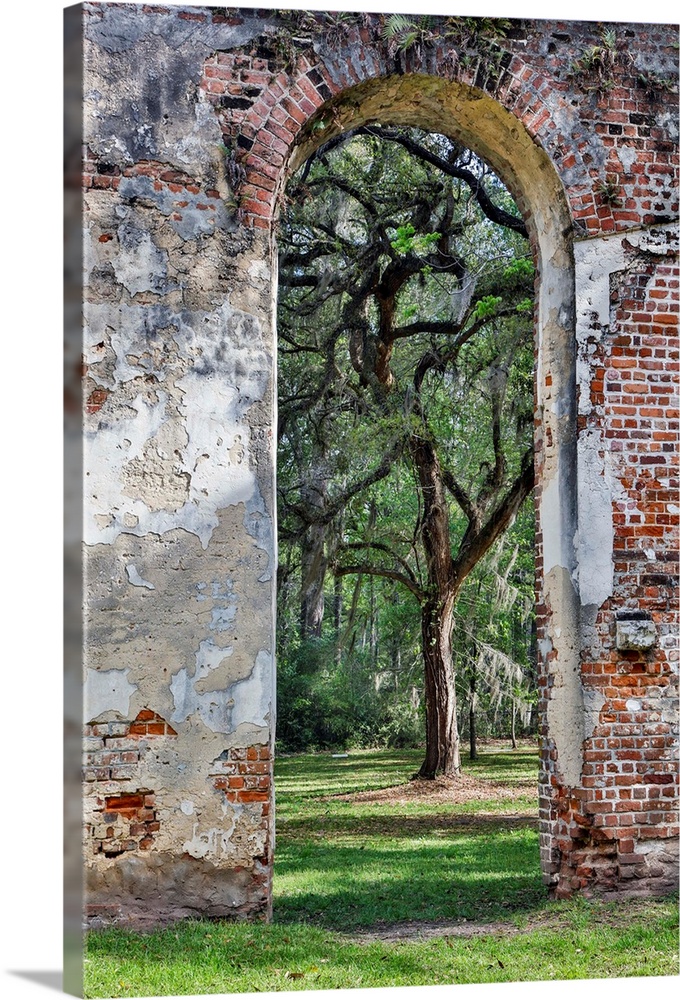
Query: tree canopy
[{"x": 405, "y": 410}]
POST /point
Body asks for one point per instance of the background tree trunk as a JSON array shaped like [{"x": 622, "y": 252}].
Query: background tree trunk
[
  {"x": 313, "y": 575},
  {"x": 473, "y": 726},
  {"x": 442, "y": 746}
]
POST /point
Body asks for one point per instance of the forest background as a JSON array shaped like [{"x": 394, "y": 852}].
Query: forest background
[{"x": 405, "y": 462}]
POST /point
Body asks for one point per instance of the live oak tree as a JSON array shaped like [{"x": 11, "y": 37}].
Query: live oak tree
[{"x": 405, "y": 341}]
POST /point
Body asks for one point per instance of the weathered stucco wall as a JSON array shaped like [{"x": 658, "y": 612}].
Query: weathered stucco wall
[{"x": 193, "y": 120}]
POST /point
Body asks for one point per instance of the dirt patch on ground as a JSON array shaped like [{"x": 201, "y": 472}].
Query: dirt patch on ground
[
  {"x": 441, "y": 790},
  {"x": 413, "y": 931},
  {"x": 599, "y": 913}
]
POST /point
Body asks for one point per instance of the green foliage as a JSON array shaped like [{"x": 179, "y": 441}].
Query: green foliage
[
  {"x": 377, "y": 243},
  {"x": 325, "y": 705},
  {"x": 406, "y": 241},
  {"x": 519, "y": 269},
  {"x": 402, "y": 32},
  {"x": 494, "y": 637},
  {"x": 609, "y": 191},
  {"x": 654, "y": 84},
  {"x": 476, "y": 29},
  {"x": 596, "y": 67},
  {"x": 487, "y": 307}
]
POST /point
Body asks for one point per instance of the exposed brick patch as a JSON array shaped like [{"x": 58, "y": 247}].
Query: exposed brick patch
[
  {"x": 123, "y": 823},
  {"x": 96, "y": 399},
  {"x": 245, "y": 775},
  {"x": 149, "y": 723},
  {"x": 113, "y": 749}
]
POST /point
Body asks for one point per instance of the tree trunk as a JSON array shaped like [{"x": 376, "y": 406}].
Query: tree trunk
[
  {"x": 337, "y": 619},
  {"x": 313, "y": 573},
  {"x": 514, "y": 712},
  {"x": 473, "y": 725},
  {"x": 442, "y": 745}
]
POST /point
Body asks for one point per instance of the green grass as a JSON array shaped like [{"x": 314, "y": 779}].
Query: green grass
[
  {"x": 348, "y": 864},
  {"x": 344, "y": 868}
]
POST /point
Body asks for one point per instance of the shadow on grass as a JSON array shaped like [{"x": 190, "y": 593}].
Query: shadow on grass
[
  {"x": 308, "y": 775},
  {"x": 394, "y": 823},
  {"x": 476, "y": 877},
  {"x": 513, "y": 766}
]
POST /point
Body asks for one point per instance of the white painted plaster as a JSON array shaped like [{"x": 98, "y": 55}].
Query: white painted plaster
[
  {"x": 138, "y": 264},
  {"x": 595, "y": 260},
  {"x": 566, "y": 722},
  {"x": 135, "y": 579},
  {"x": 222, "y": 619},
  {"x": 593, "y": 702},
  {"x": 248, "y": 700},
  {"x": 252, "y": 695},
  {"x": 595, "y": 535},
  {"x": 187, "y": 807},
  {"x": 208, "y": 843},
  {"x": 557, "y": 547},
  {"x": 659, "y": 240},
  {"x": 627, "y": 155},
  {"x": 107, "y": 691},
  {"x": 218, "y": 368},
  {"x": 182, "y": 686}
]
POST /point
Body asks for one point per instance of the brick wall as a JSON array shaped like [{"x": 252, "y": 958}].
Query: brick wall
[{"x": 248, "y": 97}]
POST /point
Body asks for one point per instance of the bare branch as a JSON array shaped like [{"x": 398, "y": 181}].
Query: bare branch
[
  {"x": 383, "y": 548},
  {"x": 389, "y": 574},
  {"x": 477, "y": 541}
]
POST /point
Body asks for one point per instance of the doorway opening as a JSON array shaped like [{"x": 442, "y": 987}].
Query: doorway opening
[{"x": 406, "y": 522}]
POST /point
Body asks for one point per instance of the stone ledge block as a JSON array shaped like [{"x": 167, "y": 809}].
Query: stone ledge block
[{"x": 635, "y": 632}]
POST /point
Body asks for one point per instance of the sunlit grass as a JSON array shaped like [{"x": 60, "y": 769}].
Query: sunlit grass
[
  {"x": 344, "y": 868},
  {"x": 591, "y": 942}
]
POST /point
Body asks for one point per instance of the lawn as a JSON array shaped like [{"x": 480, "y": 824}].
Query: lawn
[{"x": 380, "y": 882}]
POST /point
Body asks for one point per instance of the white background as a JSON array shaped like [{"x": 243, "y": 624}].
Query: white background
[{"x": 30, "y": 689}]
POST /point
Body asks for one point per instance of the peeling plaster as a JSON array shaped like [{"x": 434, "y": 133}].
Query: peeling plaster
[
  {"x": 150, "y": 462},
  {"x": 557, "y": 544},
  {"x": 135, "y": 579},
  {"x": 565, "y": 709},
  {"x": 595, "y": 260},
  {"x": 245, "y": 701},
  {"x": 627, "y": 155},
  {"x": 593, "y": 702},
  {"x": 595, "y": 536},
  {"x": 153, "y": 64},
  {"x": 107, "y": 691},
  {"x": 188, "y": 221},
  {"x": 140, "y": 265}
]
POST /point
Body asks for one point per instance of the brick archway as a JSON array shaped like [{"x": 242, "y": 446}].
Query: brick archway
[
  {"x": 183, "y": 170},
  {"x": 481, "y": 123}
]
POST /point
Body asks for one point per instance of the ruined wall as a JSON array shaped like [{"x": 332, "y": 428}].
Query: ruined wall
[{"x": 193, "y": 119}]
